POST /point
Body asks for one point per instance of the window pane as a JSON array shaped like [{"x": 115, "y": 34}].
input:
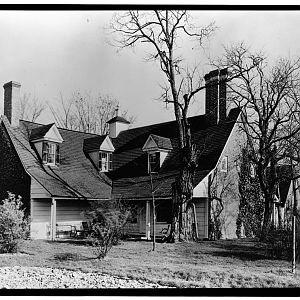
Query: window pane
[{"x": 104, "y": 161}]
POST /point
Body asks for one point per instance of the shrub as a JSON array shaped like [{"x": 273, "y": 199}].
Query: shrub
[
  {"x": 108, "y": 220},
  {"x": 13, "y": 225},
  {"x": 279, "y": 243}
]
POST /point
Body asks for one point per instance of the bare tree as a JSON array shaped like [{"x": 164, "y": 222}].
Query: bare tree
[
  {"x": 30, "y": 107},
  {"x": 163, "y": 31},
  {"x": 270, "y": 98},
  {"x": 86, "y": 113}
]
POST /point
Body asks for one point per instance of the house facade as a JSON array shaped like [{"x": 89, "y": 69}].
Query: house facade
[{"x": 59, "y": 172}]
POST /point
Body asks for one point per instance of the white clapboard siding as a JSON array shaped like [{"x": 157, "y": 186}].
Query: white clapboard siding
[
  {"x": 202, "y": 218},
  {"x": 41, "y": 210},
  {"x": 70, "y": 210},
  {"x": 37, "y": 191}
]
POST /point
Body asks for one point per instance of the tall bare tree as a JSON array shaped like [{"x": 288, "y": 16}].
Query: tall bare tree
[
  {"x": 30, "y": 107},
  {"x": 86, "y": 113},
  {"x": 270, "y": 97},
  {"x": 163, "y": 31}
]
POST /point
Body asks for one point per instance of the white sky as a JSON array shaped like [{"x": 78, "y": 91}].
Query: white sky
[{"x": 50, "y": 52}]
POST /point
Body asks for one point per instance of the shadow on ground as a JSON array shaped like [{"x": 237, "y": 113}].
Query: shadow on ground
[
  {"x": 244, "y": 249},
  {"x": 68, "y": 256},
  {"x": 242, "y": 255}
]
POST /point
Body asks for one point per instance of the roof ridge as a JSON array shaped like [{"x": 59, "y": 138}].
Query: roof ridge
[
  {"x": 161, "y": 123},
  {"x": 60, "y": 127}
]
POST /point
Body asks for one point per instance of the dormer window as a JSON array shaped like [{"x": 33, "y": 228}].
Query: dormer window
[
  {"x": 154, "y": 162},
  {"x": 105, "y": 161},
  {"x": 157, "y": 148},
  {"x": 46, "y": 140},
  {"x": 50, "y": 153},
  {"x": 100, "y": 151}
]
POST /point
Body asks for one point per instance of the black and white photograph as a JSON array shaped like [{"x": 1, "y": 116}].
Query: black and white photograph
[{"x": 149, "y": 150}]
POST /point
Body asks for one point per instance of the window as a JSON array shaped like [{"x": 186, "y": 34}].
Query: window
[
  {"x": 50, "y": 153},
  {"x": 252, "y": 170},
  {"x": 224, "y": 164},
  {"x": 105, "y": 161},
  {"x": 154, "y": 162}
]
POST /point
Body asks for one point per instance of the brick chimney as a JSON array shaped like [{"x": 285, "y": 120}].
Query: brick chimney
[
  {"x": 215, "y": 96},
  {"x": 12, "y": 102}
]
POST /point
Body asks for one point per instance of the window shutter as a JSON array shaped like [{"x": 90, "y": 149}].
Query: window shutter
[
  {"x": 45, "y": 152},
  {"x": 57, "y": 155},
  {"x": 110, "y": 166}
]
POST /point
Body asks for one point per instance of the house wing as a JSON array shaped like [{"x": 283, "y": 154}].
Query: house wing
[
  {"x": 130, "y": 176},
  {"x": 75, "y": 177}
]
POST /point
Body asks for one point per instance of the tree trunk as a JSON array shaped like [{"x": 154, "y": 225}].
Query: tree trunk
[
  {"x": 182, "y": 196},
  {"x": 267, "y": 216}
]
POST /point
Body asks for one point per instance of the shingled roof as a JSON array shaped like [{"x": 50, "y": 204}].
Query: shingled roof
[
  {"x": 40, "y": 131},
  {"x": 75, "y": 177},
  {"x": 93, "y": 143},
  {"x": 118, "y": 119},
  {"x": 130, "y": 175}
]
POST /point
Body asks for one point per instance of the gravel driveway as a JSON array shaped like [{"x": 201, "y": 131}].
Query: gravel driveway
[{"x": 35, "y": 277}]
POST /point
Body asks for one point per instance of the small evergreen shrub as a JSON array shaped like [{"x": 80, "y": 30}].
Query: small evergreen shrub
[{"x": 13, "y": 224}]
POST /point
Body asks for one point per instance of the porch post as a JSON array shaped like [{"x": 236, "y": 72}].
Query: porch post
[
  {"x": 207, "y": 212},
  {"x": 53, "y": 219},
  {"x": 148, "y": 220}
]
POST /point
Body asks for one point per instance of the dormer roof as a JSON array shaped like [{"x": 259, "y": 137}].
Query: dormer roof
[
  {"x": 156, "y": 142},
  {"x": 118, "y": 119},
  {"x": 46, "y": 132},
  {"x": 98, "y": 143}
]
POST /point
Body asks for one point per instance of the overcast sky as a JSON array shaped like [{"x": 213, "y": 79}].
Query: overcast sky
[{"x": 50, "y": 52}]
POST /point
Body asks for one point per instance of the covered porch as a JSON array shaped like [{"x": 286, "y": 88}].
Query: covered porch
[
  {"x": 56, "y": 218},
  {"x": 141, "y": 224}
]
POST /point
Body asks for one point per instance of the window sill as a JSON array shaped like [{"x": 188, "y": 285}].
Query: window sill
[{"x": 51, "y": 165}]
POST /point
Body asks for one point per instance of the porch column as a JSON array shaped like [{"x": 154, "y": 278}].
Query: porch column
[
  {"x": 53, "y": 219},
  {"x": 148, "y": 220},
  {"x": 206, "y": 218}
]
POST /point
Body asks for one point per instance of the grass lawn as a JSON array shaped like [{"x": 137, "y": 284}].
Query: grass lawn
[{"x": 228, "y": 263}]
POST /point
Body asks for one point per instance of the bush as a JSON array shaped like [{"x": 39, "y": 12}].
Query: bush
[
  {"x": 108, "y": 220},
  {"x": 13, "y": 225},
  {"x": 279, "y": 243}
]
